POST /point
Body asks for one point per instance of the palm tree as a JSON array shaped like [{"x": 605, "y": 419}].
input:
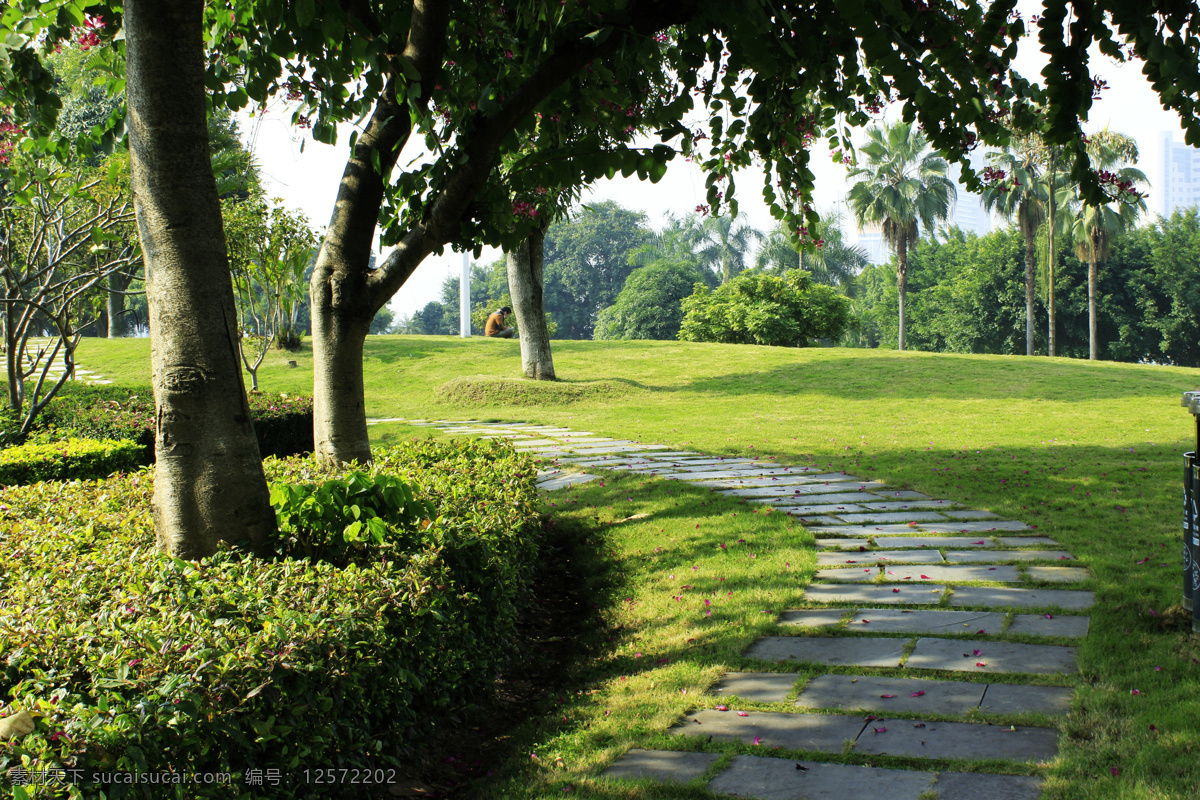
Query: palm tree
[
  {"x": 1091, "y": 227},
  {"x": 724, "y": 244},
  {"x": 676, "y": 243},
  {"x": 836, "y": 264},
  {"x": 903, "y": 186},
  {"x": 1021, "y": 194}
]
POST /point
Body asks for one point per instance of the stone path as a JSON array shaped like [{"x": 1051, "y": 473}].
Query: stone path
[
  {"x": 966, "y": 623},
  {"x": 56, "y": 366}
]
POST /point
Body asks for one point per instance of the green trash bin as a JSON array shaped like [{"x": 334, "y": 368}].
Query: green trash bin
[{"x": 1191, "y": 518}]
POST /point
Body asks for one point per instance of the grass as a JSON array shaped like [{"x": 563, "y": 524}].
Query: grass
[{"x": 1087, "y": 452}]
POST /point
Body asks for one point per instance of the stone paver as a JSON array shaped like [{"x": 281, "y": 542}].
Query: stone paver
[
  {"x": 905, "y": 495},
  {"x": 813, "y": 617},
  {"x": 874, "y": 530},
  {"x": 895, "y": 620},
  {"x": 1054, "y": 625},
  {"x": 898, "y": 505},
  {"x": 981, "y": 786},
  {"x": 831, "y": 651},
  {"x": 563, "y": 481},
  {"x": 1007, "y": 698},
  {"x": 972, "y": 514},
  {"x": 849, "y": 693},
  {"x": 987, "y": 657},
  {"x": 760, "y": 687},
  {"x": 847, "y": 545},
  {"x": 826, "y": 499},
  {"x": 880, "y": 557},
  {"x": 977, "y": 527},
  {"x": 850, "y": 575},
  {"x": 783, "y": 779},
  {"x": 1025, "y": 541},
  {"x": 1000, "y": 556},
  {"x": 788, "y": 491},
  {"x": 892, "y": 516},
  {"x": 952, "y": 573},
  {"x": 936, "y": 542},
  {"x": 1021, "y": 598},
  {"x": 667, "y": 766},
  {"x": 825, "y": 733},
  {"x": 818, "y": 509},
  {"x": 903, "y": 737},
  {"x": 816, "y": 520},
  {"x": 922, "y": 594},
  {"x": 1056, "y": 574}
]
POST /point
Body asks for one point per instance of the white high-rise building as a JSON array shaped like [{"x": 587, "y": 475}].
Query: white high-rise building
[{"x": 1178, "y": 184}]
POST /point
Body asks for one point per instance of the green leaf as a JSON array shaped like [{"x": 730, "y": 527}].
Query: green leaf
[{"x": 305, "y": 11}]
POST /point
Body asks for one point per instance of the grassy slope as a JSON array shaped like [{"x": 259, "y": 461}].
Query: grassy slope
[{"x": 1087, "y": 452}]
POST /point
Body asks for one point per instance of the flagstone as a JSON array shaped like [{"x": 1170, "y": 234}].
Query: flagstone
[
  {"x": 1008, "y": 698},
  {"x": 771, "y": 491},
  {"x": 826, "y": 499},
  {"x": 667, "y": 766},
  {"x": 536, "y": 443},
  {"x": 893, "y": 516},
  {"x": 564, "y": 481},
  {"x": 1025, "y": 541},
  {"x": 976, "y": 527},
  {"x": 699, "y": 476},
  {"x": 1056, "y": 574},
  {"x": 1006, "y": 597},
  {"x": 952, "y": 573},
  {"x": 900, "y": 505},
  {"x": 821, "y": 732},
  {"x": 1070, "y": 625},
  {"x": 812, "y": 617},
  {"x": 762, "y": 481},
  {"x": 785, "y": 779},
  {"x": 805, "y": 491},
  {"x": 829, "y": 650},
  {"x": 879, "y": 556},
  {"x": 847, "y": 545},
  {"x": 936, "y": 542},
  {"x": 971, "y": 514},
  {"x": 611, "y": 448},
  {"x": 905, "y": 495},
  {"x": 877, "y": 530},
  {"x": 982, "y": 786},
  {"x": 849, "y": 693},
  {"x": 864, "y": 574},
  {"x": 815, "y": 520},
  {"x": 759, "y": 687},
  {"x": 821, "y": 509},
  {"x": 957, "y": 740},
  {"x": 960, "y": 655},
  {"x": 919, "y": 594},
  {"x": 1000, "y": 556},
  {"x": 894, "y": 620}
]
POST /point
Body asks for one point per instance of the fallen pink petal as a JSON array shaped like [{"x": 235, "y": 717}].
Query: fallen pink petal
[
  {"x": 722, "y": 708},
  {"x": 757, "y": 740},
  {"x": 917, "y": 693},
  {"x": 742, "y": 714},
  {"x": 887, "y": 696},
  {"x": 879, "y": 730}
]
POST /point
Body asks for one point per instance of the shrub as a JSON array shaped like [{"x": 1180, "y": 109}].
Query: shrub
[
  {"x": 283, "y": 423},
  {"x": 68, "y": 459},
  {"x": 785, "y": 311},
  {"x": 649, "y": 306},
  {"x": 131, "y": 660}
]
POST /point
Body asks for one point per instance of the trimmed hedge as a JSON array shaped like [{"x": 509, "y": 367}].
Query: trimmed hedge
[
  {"x": 283, "y": 423},
  {"x": 129, "y": 660},
  {"x": 69, "y": 459}
]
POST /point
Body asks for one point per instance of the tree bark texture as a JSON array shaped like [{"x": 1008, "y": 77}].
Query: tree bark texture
[
  {"x": 1030, "y": 287},
  {"x": 209, "y": 482},
  {"x": 1093, "y": 341},
  {"x": 902, "y": 283},
  {"x": 525, "y": 284},
  {"x": 118, "y": 326}
]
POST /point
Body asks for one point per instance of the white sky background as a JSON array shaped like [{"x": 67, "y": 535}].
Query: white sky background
[{"x": 308, "y": 180}]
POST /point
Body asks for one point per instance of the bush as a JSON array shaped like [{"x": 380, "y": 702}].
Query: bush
[
  {"x": 283, "y": 423},
  {"x": 784, "y": 311},
  {"x": 649, "y": 306},
  {"x": 69, "y": 459},
  {"x": 129, "y": 660}
]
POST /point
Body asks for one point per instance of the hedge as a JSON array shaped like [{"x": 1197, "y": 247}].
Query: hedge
[
  {"x": 282, "y": 422},
  {"x": 69, "y": 459},
  {"x": 129, "y": 660}
]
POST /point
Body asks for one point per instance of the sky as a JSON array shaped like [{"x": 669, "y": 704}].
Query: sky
[{"x": 304, "y": 174}]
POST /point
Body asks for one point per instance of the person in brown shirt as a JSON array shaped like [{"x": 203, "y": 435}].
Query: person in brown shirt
[{"x": 495, "y": 325}]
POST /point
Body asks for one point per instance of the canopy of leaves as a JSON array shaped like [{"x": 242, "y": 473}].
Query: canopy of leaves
[{"x": 649, "y": 307}]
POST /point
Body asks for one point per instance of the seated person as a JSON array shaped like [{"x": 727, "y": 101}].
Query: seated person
[{"x": 495, "y": 325}]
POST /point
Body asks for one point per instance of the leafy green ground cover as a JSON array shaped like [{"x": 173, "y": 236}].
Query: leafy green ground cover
[{"x": 1088, "y": 452}]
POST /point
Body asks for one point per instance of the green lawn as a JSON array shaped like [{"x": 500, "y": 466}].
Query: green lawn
[{"x": 1089, "y": 453}]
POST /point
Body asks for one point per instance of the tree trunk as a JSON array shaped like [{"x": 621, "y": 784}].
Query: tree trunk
[
  {"x": 525, "y": 284},
  {"x": 902, "y": 283},
  {"x": 209, "y": 482},
  {"x": 1030, "y": 289},
  {"x": 1093, "y": 342},
  {"x": 118, "y": 282},
  {"x": 340, "y": 323}
]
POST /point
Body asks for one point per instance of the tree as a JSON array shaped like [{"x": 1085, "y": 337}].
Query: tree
[
  {"x": 587, "y": 262},
  {"x": 649, "y": 306},
  {"x": 1092, "y": 225},
  {"x": 209, "y": 480},
  {"x": 724, "y": 243},
  {"x": 786, "y": 311},
  {"x": 903, "y": 186},
  {"x": 835, "y": 262},
  {"x": 1018, "y": 189}
]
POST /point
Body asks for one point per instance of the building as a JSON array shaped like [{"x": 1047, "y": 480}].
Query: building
[{"x": 1178, "y": 184}]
